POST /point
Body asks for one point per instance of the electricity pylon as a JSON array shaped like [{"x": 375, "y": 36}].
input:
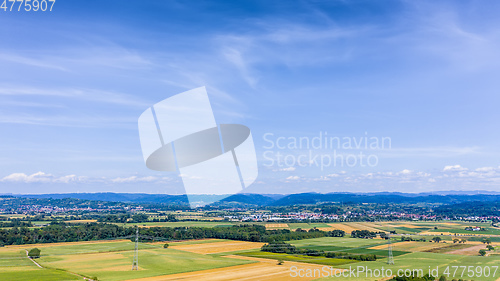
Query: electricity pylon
[
  {"x": 390, "y": 259},
  {"x": 135, "y": 263}
]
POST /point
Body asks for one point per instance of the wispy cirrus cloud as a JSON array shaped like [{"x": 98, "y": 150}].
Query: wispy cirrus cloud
[
  {"x": 43, "y": 63},
  {"x": 91, "y": 95}
]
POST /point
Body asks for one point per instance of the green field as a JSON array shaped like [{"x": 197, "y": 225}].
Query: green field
[
  {"x": 346, "y": 245},
  {"x": 488, "y": 230},
  {"x": 107, "y": 261},
  {"x": 424, "y": 261},
  {"x": 15, "y": 266}
]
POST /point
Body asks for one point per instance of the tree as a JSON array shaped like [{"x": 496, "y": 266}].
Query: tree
[
  {"x": 165, "y": 245},
  {"x": 482, "y": 252},
  {"x": 140, "y": 218},
  {"x": 366, "y": 234},
  {"x": 280, "y": 262},
  {"x": 486, "y": 241},
  {"x": 442, "y": 278},
  {"x": 455, "y": 240},
  {"x": 490, "y": 248},
  {"x": 336, "y": 233},
  {"x": 34, "y": 253},
  {"x": 436, "y": 239}
]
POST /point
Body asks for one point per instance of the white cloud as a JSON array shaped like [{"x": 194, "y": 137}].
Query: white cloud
[
  {"x": 293, "y": 178},
  {"x": 454, "y": 168},
  {"x": 485, "y": 169},
  {"x": 134, "y": 179},
  {"x": 67, "y": 179},
  {"x": 39, "y": 177},
  {"x": 288, "y": 169},
  {"x": 427, "y": 152}
]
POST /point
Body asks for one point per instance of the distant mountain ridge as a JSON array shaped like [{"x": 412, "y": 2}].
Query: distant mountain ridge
[{"x": 449, "y": 197}]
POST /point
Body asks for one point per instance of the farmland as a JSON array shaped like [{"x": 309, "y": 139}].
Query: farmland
[
  {"x": 220, "y": 259},
  {"x": 225, "y": 244},
  {"x": 107, "y": 260}
]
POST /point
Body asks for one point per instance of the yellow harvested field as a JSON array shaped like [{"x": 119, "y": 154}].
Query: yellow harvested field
[
  {"x": 185, "y": 242},
  {"x": 350, "y": 226},
  {"x": 276, "y": 225},
  {"x": 341, "y": 226},
  {"x": 218, "y": 247},
  {"x": 363, "y": 226},
  {"x": 263, "y": 269},
  {"x": 327, "y": 228}
]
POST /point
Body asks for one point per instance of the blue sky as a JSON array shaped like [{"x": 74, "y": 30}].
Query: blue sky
[{"x": 74, "y": 81}]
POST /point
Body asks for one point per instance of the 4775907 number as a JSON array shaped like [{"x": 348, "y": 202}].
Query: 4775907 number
[{"x": 27, "y": 5}]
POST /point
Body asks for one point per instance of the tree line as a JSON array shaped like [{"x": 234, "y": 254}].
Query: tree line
[{"x": 63, "y": 232}]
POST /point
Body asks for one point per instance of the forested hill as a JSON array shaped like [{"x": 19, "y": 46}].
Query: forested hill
[
  {"x": 466, "y": 209},
  {"x": 315, "y": 198},
  {"x": 279, "y": 200}
]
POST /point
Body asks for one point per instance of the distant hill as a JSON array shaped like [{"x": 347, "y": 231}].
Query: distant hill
[
  {"x": 250, "y": 199},
  {"x": 117, "y": 197},
  {"x": 280, "y": 200},
  {"x": 315, "y": 198}
]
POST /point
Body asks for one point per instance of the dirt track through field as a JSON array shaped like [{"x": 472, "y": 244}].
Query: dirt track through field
[
  {"x": 471, "y": 251},
  {"x": 263, "y": 269}
]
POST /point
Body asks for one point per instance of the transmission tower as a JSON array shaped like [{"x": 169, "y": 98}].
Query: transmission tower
[
  {"x": 390, "y": 260},
  {"x": 135, "y": 264}
]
